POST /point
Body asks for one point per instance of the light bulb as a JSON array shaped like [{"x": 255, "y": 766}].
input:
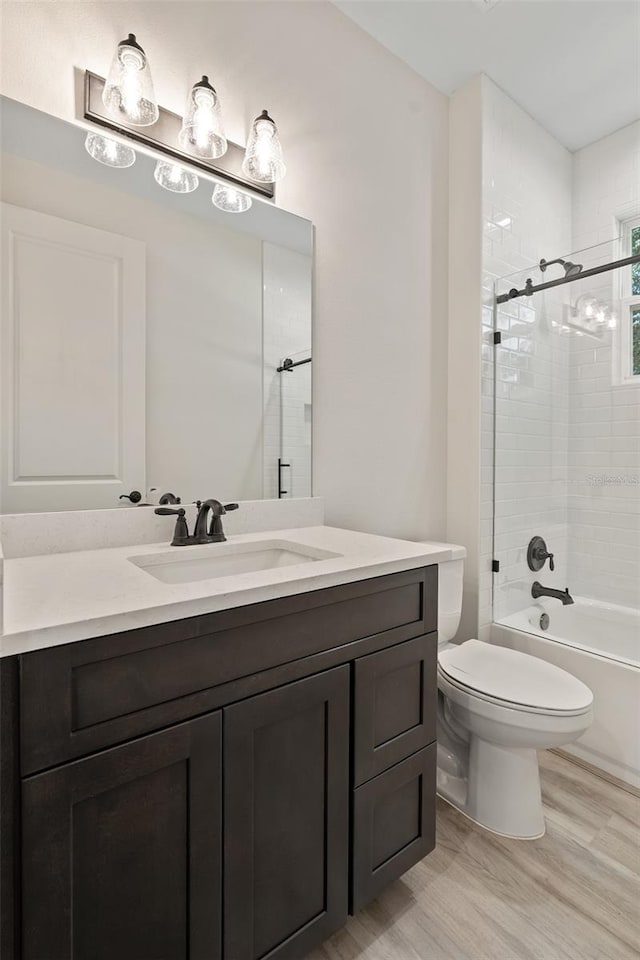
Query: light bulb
[
  {"x": 202, "y": 132},
  {"x": 229, "y": 199},
  {"x": 174, "y": 177},
  {"x": 588, "y": 310},
  {"x": 128, "y": 91},
  {"x": 108, "y": 151},
  {"x": 263, "y": 157},
  {"x": 612, "y": 322},
  {"x": 600, "y": 316}
]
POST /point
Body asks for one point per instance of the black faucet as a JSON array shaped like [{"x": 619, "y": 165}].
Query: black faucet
[
  {"x": 202, "y": 532},
  {"x": 537, "y": 591}
]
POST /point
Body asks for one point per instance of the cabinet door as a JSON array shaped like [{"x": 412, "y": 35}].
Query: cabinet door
[
  {"x": 122, "y": 851},
  {"x": 396, "y": 692},
  {"x": 394, "y": 824},
  {"x": 286, "y": 795}
]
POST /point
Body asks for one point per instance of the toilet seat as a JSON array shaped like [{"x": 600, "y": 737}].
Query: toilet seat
[{"x": 513, "y": 680}]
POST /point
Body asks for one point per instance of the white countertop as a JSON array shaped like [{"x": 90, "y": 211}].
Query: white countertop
[{"x": 63, "y": 597}]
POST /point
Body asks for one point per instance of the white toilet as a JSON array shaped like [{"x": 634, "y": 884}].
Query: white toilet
[{"x": 496, "y": 707}]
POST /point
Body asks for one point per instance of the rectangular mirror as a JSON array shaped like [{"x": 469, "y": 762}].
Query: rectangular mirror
[{"x": 148, "y": 339}]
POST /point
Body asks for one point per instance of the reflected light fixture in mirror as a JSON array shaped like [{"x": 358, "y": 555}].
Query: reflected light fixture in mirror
[
  {"x": 174, "y": 177},
  {"x": 229, "y": 199},
  {"x": 128, "y": 90},
  {"x": 263, "y": 157},
  {"x": 108, "y": 151},
  {"x": 202, "y": 132}
]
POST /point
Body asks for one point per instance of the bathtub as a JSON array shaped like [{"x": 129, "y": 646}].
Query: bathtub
[{"x": 600, "y": 644}]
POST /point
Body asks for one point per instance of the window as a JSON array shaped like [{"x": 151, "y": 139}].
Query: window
[{"x": 627, "y": 354}]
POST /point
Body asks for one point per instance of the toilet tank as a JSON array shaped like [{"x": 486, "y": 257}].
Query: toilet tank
[{"x": 450, "y": 576}]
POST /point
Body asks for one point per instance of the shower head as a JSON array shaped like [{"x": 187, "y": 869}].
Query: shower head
[{"x": 570, "y": 269}]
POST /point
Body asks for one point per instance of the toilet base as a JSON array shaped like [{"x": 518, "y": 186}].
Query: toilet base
[{"x": 500, "y": 792}]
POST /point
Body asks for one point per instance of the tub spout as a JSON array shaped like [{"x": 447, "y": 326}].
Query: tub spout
[{"x": 537, "y": 591}]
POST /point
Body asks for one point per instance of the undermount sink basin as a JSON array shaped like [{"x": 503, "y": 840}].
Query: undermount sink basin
[{"x": 214, "y": 560}]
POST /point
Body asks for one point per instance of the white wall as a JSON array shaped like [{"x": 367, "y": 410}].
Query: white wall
[
  {"x": 606, "y": 186},
  {"x": 464, "y": 340},
  {"x": 203, "y": 331},
  {"x": 366, "y": 148}
]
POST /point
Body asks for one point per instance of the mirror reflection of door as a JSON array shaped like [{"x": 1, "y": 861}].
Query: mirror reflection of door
[{"x": 73, "y": 364}]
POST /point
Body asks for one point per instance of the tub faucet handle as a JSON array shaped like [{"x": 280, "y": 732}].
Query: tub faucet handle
[{"x": 537, "y": 555}]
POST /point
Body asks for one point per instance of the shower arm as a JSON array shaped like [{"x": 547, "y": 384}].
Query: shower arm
[{"x": 531, "y": 288}]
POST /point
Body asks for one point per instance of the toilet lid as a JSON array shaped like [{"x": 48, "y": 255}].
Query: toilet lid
[{"x": 514, "y": 677}]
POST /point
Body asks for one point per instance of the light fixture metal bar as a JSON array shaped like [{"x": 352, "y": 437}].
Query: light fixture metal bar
[
  {"x": 163, "y": 137},
  {"x": 531, "y": 288}
]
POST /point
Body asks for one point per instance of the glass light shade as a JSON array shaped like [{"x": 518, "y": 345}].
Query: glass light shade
[
  {"x": 174, "y": 177},
  {"x": 128, "y": 91},
  {"x": 229, "y": 199},
  {"x": 110, "y": 152},
  {"x": 202, "y": 132},
  {"x": 263, "y": 156}
]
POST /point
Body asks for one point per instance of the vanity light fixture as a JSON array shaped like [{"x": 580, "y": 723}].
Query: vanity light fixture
[
  {"x": 175, "y": 177},
  {"x": 125, "y": 103},
  {"x": 227, "y": 198},
  {"x": 128, "y": 91},
  {"x": 263, "y": 157},
  {"x": 108, "y": 151},
  {"x": 202, "y": 132}
]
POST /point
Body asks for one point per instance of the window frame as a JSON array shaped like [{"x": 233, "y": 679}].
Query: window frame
[{"x": 623, "y": 374}]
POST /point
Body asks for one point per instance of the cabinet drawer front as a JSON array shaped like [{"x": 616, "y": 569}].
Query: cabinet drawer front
[
  {"x": 286, "y": 818},
  {"x": 82, "y": 697},
  {"x": 395, "y": 705},
  {"x": 122, "y": 851},
  {"x": 394, "y": 824}
]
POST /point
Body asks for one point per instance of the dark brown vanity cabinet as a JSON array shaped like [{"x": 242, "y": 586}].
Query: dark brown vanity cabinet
[
  {"x": 286, "y": 831},
  {"x": 122, "y": 851},
  {"x": 225, "y": 787}
]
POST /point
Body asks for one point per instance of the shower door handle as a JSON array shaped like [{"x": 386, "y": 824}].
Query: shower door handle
[{"x": 281, "y": 466}]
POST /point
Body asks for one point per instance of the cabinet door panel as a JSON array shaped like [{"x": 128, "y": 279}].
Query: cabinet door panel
[
  {"x": 122, "y": 851},
  {"x": 395, "y": 705},
  {"x": 286, "y": 818},
  {"x": 393, "y": 824}
]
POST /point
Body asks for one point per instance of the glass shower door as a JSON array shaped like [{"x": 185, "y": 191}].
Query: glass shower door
[{"x": 294, "y": 462}]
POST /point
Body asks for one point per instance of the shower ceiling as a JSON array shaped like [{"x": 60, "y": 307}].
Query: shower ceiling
[{"x": 572, "y": 64}]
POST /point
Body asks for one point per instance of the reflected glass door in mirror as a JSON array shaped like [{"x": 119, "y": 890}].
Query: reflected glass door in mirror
[{"x": 141, "y": 333}]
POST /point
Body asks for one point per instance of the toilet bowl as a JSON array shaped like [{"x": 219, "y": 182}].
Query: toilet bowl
[{"x": 496, "y": 708}]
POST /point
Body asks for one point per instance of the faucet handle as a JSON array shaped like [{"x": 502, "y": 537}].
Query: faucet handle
[
  {"x": 552, "y": 565},
  {"x": 230, "y": 506},
  {"x": 181, "y": 532}
]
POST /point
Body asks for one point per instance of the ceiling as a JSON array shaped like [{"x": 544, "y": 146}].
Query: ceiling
[{"x": 573, "y": 65}]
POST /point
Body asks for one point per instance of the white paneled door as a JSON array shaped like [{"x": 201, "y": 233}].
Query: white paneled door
[{"x": 73, "y": 364}]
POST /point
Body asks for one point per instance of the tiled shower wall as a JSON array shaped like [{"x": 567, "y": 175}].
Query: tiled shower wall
[
  {"x": 527, "y": 214},
  {"x": 604, "y": 443},
  {"x": 567, "y": 450}
]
